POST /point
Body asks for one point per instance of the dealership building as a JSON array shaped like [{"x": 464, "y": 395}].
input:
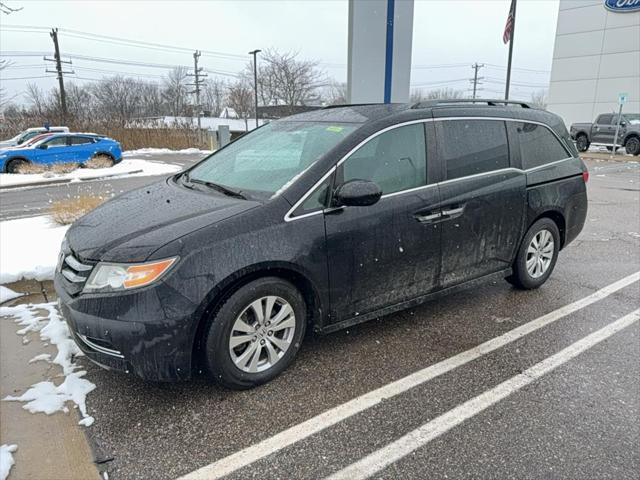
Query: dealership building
[{"x": 596, "y": 57}]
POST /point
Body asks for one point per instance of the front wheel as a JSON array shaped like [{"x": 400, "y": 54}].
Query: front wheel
[
  {"x": 537, "y": 256},
  {"x": 256, "y": 333},
  {"x": 582, "y": 143},
  {"x": 633, "y": 146},
  {"x": 16, "y": 165}
]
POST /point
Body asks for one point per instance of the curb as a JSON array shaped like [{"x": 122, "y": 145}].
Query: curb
[{"x": 58, "y": 181}]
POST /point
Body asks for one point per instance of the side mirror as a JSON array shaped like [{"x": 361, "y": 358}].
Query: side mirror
[
  {"x": 44, "y": 146},
  {"x": 623, "y": 124},
  {"x": 357, "y": 193}
]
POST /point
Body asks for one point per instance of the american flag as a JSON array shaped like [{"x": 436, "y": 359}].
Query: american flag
[{"x": 508, "y": 28}]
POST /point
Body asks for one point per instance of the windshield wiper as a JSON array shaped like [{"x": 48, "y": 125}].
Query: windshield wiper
[{"x": 221, "y": 188}]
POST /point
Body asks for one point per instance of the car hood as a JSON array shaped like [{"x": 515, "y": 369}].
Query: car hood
[{"x": 129, "y": 228}]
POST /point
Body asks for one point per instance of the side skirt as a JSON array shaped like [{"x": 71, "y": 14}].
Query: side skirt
[{"x": 414, "y": 302}]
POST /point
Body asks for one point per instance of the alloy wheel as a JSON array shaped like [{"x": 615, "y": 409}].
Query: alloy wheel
[
  {"x": 262, "y": 334},
  {"x": 540, "y": 253}
]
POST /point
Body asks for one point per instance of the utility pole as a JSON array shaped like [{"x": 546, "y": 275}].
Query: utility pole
[
  {"x": 197, "y": 82},
  {"x": 255, "y": 80},
  {"x": 476, "y": 79},
  {"x": 59, "y": 71}
]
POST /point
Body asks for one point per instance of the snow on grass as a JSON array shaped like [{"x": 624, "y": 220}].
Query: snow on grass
[
  {"x": 7, "y": 294},
  {"x": 164, "y": 151},
  {"x": 30, "y": 248},
  {"x": 125, "y": 168},
  {"x": 6, "y": 460},
  {"x": 46, "y": 397}
]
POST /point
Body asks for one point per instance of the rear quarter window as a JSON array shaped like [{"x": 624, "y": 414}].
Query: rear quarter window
[
  {"x": 469, "y": 147},
  {"x": 539, "y": 146}
]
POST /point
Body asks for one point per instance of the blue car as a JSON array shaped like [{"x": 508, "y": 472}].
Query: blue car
[{"x": 77, "y": 148}]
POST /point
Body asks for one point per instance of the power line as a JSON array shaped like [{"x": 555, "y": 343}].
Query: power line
[{"x": 27, "y": 78}]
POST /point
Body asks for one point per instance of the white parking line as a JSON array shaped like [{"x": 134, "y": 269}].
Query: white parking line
[
  {"x": 316, "y": 424},
  {"x": 382, "y": 458}
]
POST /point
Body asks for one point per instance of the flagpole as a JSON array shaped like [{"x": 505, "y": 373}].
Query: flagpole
[{"x": 513, "y": 33}]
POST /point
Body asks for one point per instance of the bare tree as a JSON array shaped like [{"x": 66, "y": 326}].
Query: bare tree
[
  {"x": 283, "y": 79},
  {"x": 118, "y": 98},
  {"x": 336, "y": 93},
  {"x": 539, "y": 98},
  {"x": 37, "y": 99},
  {"x": 175, "y": 91},
  {"x": 213, "y": 93},
  {"x": 240, "y": 98},
  {"x": 437, "y": 94},
  {"x": 4, "y": 64}
]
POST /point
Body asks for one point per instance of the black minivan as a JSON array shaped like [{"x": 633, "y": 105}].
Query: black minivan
[{"x": 319, "y": 220}]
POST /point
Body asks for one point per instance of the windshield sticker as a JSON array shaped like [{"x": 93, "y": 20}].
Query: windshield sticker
[{"x": 335, "y": 129}]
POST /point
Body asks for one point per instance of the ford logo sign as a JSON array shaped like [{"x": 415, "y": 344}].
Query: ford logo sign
[{"x": 622, "y": 6}]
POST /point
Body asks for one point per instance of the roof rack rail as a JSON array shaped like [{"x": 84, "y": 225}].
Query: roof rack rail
[
  {"x": 356, "y": 105},
  {"x": 488, "y": 101}
]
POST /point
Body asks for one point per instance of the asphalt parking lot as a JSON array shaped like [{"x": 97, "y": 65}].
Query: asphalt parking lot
[{"x": 495, "y": 383}]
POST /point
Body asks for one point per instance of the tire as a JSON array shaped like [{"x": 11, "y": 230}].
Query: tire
[
  {"x": 238, "y": 367},
  {"x": 632, "y": 146},
  {"x": 582, "y": 143},
  {"x": 13, "y": 166},
  {"x": 538, "y": 272}
]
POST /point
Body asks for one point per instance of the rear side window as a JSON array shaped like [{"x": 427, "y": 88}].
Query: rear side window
[
  {"x": 539, "y": 146},
  {"x": 395, "y": 160},
  {"x": 80, "y": 140},
  {"x": 605, "y": 119},
  {"x": 470, "y": 147}
]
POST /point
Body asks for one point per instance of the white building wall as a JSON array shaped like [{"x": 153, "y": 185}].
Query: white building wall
[{"x": 596, "y": 57}]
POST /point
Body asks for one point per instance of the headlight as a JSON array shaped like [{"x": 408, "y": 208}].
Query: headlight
[{"x": 109, "y": 277}]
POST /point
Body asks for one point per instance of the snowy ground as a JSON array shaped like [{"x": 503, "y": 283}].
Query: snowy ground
[
  {"x": 30, "y": 248},
  {"x": 7, "y": 294},
  {"x": 163, "y": 151},
  {"x": 6, "y": 460},
  {"x": 130, "y": 167}
]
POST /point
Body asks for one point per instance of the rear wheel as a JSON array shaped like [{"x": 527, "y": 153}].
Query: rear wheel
[
  {"x": 14, "y": 166},
  {"x": 582, "y": 143},
  {"x": 633, "y": 146},
  {"x": 256, "y": 333},
  {"x": 537, "y": 256}
]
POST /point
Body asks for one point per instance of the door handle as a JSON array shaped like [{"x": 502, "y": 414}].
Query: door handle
[
  {"x": 453, "y": 212},
  {"x": 428, "y": 217}
]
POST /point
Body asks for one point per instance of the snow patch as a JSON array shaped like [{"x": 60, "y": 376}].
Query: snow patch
[
  {"x": 141, "y": 168},
  {"x": 165, "y": 151},
  {"x": 30, "y": 248},
  {"x": 7, "y": 294},
  {"x": 6, "y": 460},
  {"x": 46, "y": 397}
]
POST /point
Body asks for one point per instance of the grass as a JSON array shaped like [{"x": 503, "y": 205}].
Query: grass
[
  {"x": 65, "y": 212},
  {"x": 101, "y": 161},
  {"x": 57, "y": 168}
]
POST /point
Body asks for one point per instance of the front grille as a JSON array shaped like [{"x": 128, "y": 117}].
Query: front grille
[{"x": 75, "y": 272}]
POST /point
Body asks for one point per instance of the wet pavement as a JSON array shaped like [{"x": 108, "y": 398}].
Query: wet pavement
[{"x": 579, "y": 421}]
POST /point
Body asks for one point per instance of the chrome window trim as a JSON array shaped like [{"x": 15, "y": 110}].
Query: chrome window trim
[{"x": 289, "y": 215}]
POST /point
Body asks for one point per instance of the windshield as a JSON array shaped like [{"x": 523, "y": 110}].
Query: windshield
[
  {"x": 264, "y": 161},
  {"x": 632, "y": 118},
  {"x": 28, "y": 136}
]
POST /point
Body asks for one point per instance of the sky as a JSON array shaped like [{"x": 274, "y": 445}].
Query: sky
[{"x": 449, "y": 36}]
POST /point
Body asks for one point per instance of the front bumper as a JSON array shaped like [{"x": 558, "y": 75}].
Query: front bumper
[{"x": 148, "y": 332}]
